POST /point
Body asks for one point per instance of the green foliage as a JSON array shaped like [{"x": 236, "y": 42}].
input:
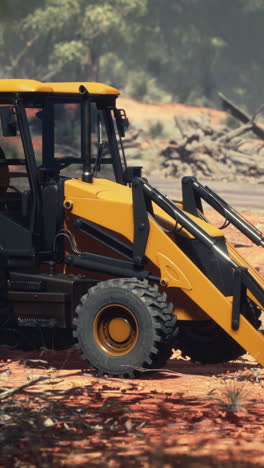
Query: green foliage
[
  {"x": 144, "y": 87},
  {"x": 156, "y": 130},
  {"x": 184, "y": 51},
  {"x": 232, "y": 397},
  {"x": 67, "y": 52}
]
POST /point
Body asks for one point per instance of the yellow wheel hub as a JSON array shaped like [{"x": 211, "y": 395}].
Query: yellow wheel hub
[
  {"x": 115, "y": 330},
  {"x": 119, "y": 329}
]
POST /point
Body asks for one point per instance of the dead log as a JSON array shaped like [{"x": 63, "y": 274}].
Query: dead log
[
  {"x": 235, "y": 133},
  {"x": 215, "y": 153},
  {"x": 242, "y": 115}
]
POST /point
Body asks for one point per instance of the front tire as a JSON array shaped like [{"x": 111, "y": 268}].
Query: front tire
[{"x": 124, "y": 325}]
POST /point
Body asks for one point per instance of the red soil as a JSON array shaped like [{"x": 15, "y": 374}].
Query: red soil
[
  {"x": 177, "y": 417},
  {"x": 137, "y": 111}
]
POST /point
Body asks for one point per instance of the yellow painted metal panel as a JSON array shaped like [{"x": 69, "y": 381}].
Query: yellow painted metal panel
[
  {"x": 93, "y": 88},
  {"x": 108, "y": 190},
  {"x": 171, "y": 274},
  {"x": 33, "y": 86},
  {"x": 24, "y": 86}
]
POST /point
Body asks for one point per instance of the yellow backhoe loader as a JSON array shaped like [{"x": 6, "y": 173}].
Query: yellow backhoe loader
[{"x": 91, "y": 251}]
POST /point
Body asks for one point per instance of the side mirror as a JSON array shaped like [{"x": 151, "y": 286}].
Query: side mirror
[
  {"x": 8, "y": 121},
  {"x": 122, "y": 121}
]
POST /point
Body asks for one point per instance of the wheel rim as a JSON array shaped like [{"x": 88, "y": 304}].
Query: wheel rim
[{"x": 115, "y": 330}]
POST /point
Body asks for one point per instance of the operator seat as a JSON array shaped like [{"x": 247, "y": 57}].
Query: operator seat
[
  {"x": 4, "y": 174},
  {"x": 10, "y": 197}
]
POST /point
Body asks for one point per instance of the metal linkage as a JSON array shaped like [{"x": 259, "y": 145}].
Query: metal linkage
[
  {"x": 193, "y": 191},
  {"x": 86, "y": 130},
  {"x": 108, "y": 265},
  {"x": 104, "y": 237},
  {"x": 243, "y": 280},
  {"x": 141, "y": 221},
  {"x": 186, "y": 222}
]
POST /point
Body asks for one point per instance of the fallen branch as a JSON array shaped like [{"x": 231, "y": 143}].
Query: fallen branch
[
  {"x": 214, "y": 152},
  {"x": 13, "y": 391},
  {"x": 235, "y": 133},
  {"x": 241, "y": 115}
]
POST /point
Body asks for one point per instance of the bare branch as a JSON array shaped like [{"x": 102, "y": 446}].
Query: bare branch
[
  {"x": 49, "y": 75},
  {"x": 235, "y": 133},
  {"x": 258, "y": 111},
  {"x": 241, "y": 115},
  {"x": 15, "y": 61}
]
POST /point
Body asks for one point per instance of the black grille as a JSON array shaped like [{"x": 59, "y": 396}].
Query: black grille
[{"x": 17, "y": 285}]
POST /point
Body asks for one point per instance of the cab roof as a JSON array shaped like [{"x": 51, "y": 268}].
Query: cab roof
[{"x": 33, "y": 86}]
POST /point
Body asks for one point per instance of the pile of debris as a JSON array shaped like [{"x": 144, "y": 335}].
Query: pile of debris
[{"x": 216, "y": 152}]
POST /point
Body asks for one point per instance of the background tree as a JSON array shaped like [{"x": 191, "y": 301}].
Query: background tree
[{"x": 182, "y": 51}]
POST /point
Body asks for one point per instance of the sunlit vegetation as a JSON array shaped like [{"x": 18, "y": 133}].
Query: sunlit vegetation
[{"x": 155, "y": 51}]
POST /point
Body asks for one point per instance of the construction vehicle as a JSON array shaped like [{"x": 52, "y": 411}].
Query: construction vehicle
[{"x": 89, "y": 248}]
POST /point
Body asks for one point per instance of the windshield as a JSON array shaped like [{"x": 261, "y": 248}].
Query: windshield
[
  {"x": 105, "y": 140},
  {"x": 11, "y": 148},
  {"x": 57, "y": 137}
]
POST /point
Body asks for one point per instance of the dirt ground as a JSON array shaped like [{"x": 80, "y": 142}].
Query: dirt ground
[
  {"x": 185, "y": 415},
  {"x": 55, "y": 412},
  {"x": 141, "y": 112}
]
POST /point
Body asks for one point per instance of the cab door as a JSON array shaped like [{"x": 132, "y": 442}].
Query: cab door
[{"x": 18, "y": 189}]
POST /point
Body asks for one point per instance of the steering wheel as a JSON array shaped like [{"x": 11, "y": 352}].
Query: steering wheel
[{"x": 65, "y": 161}]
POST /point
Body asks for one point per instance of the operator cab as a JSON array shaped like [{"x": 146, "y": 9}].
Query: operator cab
[{"x": 50, "y": 132}]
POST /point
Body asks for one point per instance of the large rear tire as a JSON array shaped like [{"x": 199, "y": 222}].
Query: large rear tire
[
  {"x": 124, "y": 325},
  {"x": 208, "y": 343}
]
